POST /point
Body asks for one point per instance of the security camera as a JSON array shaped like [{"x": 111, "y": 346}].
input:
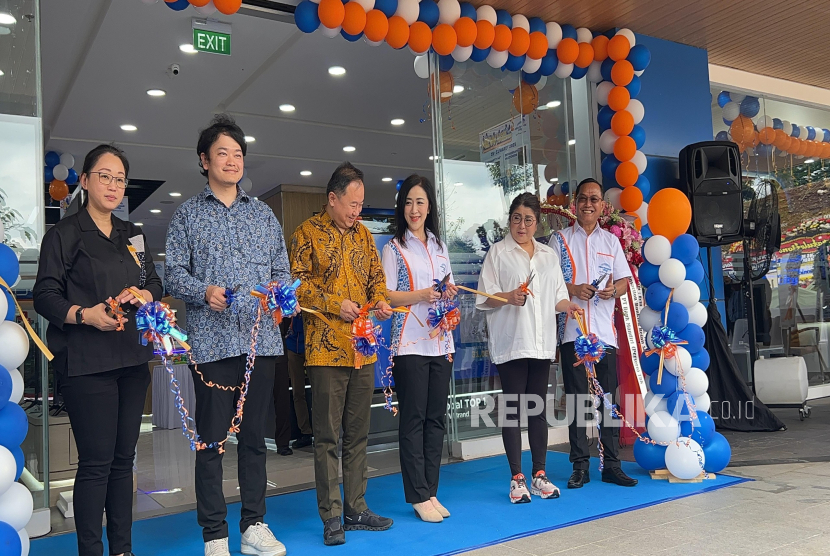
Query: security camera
[{"x": 173, "y": 70}]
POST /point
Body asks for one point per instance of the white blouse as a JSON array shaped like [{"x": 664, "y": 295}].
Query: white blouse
[
  {"x": 528, "y": 331},
  {"x": 409, "y": 267}
]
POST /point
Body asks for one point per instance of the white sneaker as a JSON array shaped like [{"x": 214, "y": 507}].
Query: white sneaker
[
  {"x": 518, "y": 490},
  {"x": 217, "y": 547},
  {"x": 258, "y": 540},
  {"x": 541, "y": 486}
]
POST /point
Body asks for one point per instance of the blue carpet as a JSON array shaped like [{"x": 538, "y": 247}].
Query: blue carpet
[{"x": 475, "y": 492}]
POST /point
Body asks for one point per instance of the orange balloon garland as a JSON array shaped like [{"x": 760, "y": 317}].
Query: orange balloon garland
[
  {"x": 377, "y": 26},
  {"x": 58, "y": 190},
  {"x": 444, "y": 39},
  {"x": 331, "y": 13},
  {"x": 398, "y": 34},
  {"x": 466, "y": 31},
  {"x": 354, "y": 20},
  {"x": 420, "y": 37},
  {"x": 669, "y": 213}
]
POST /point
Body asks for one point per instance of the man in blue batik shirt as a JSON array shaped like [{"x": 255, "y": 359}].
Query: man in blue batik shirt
[{"x": 219, "y": 239}]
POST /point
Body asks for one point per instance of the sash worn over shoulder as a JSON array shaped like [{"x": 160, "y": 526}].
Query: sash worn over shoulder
[
  {"x": 404, "y": 284},
  {"x": 567, "y": 264}
]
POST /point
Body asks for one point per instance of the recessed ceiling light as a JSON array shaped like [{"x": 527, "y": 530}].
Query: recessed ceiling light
[
  {"x": 7, "y": 19},
  {"x": 542, "y": 107},
  {"x": 553, "y": 104},
  {"x": 287, "y": 108},
  {"x": 250, "y": 138},
  {"x": 1, "y": 72},
  {"x": 349, "y": 149},
  {"x": 305, "y": 173},
  {"x": 458, "y": 89},
  {"x": 809, "y": 161},
  {"x": 156, "y": 92},
  {"x": 175, "y": 194},
  {"x": 128, "y": 127},
  {"x": 155, "y": 211},
  {"x": 337, "y": 70},
  {"x": 572, "y": 142},
  {"x": 554, "y": 180},
  {"x": 397, "y": 121},
  {"x": 161, "y": 254},
  {"x": 138, "y": 223},
  {"x": 432, "y": 158},
  {"x": 386, "y": 179},
  {"x": 187, "y": 48}
]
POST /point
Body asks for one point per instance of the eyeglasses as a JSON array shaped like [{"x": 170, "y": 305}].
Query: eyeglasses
[
  {"x": 106, "y": 179},
  {"x": 582, "y": 199},
  {"x": 518, "y": 219}
]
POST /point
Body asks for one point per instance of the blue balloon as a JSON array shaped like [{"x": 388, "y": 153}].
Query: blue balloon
[
  {"x": 13, "y": 425},
  {"x": 668, "y": 383},
  {"x": 428, "y": 12},
  {"x": 531, "y": 78},
  {"x": 701, "y": 360},
  {"x": 568, "y": 31},
  {"x": 750, "y": 107},
  {"x": 656, "y": 296},
  {"x": 694, "y": 335},
  {"x": 9, "y": 265},
  {"x": 609, "y": 166},
  {"x": 645, "y": 231},
  {"x": 723, "y": 99},
  {"x": 398, "y": 185},
  {"x": 566, "y": 188},
  {"x": 178, "y": 5},
  {"x": 19, "y": 460},
  {"x": 503, "y": 17},
  {"x": 551, "y": 190},
  {"x": 537, "y": 24},
  {"x": 694, "y": 272},
  {"x": 795, "y": 131},
  {"x": 685, "y": 248},
  {"x": 605, "y": 69},
  {"x": 579, "y": 73},
  {"x": 678, "y": 406},
  {"x": 445, "y": 63},
  {"x": 514, "y": 63},
  {"x": 650, "y": 457},
  {"x": 604, "y": 118},
  {"x": 305, "y": 16},
  {"x": 351, "y": 38},
  {"x": 48, "y": 176},
  {"x": 10, "y": 542},
  {"x": 72, "y": 178},
  {"x": 722, "y": 136},
  {"x": 826, "y": 135},
  {"x": 717, "y": 453},
  {"x": 467, "y": 10},
  {"x": 10, "y": 314},
  {"x": 649, "y": 274},
  {"x": 678, "y": 317},
  {"x": 777, "y": 124},
  {"x": 638, "y": 134},
  {"x": 389, "y": 7},
  {"x": 703, "y": 430},
  {"x": 52, "y": 159},
  {"x": 643, "y": 185},
  {"x": 727, "y": 122},
  {"x": 549, "y": 63},
  {"x": 649, "y": 364},
  {"x": 811, "y": 133},
  {"x": 639, "y": 56},
  {"x": 479, "y": 54},
  {"x": 5, "y": 387}
]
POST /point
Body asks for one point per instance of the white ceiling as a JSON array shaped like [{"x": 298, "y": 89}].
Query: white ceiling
[{"x": 100, "y": 56}]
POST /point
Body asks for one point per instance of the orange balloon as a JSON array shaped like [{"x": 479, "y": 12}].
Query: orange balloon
[
  {"x": 622, "y": 73},
  {"x": 808, "y": 148},
  {"x": 562, "y": 200},
  {"x": 567, "y": 51},
  {"x": 520, "y": 42},
  {"x": 627, "y": 174},
  {"x": 781, "y": 140},
  {"x": 766, "y": 135},
  {"x": 669, "y": 213},
  {"x": 58, "y": 190},
  {"x": 792, "y": 145},
  {"x": 229, "y": 7},
  {"x": 618, "y": 98},
  {"x": 199, "y": 3},
  {"x": 586, "y": 55},
  {"x": 624, "y": 148},
  {"x": 600, "y": 44},
  {"x": 638, "y": 224},
  {"x": 825, "y": 150},
  {"x": 420, "y": 37},
  {"x": 631, "y": 198},
  {"x": 331, "y": 13},
  {"x": 354, "y": 22},
  {"x": 465, "y": 31},
  {"x": 444, "y": 39},
  {"x": 525, "y": 98},
  {"x": 622, "y": 123},
  {"x": 398, "y": 34},
  {"x": 538, "y": 46},
  {"x": 377, "y": 26},
  {"x": 741, "y": 129},
  {"x": 502, "y": 39},
  {"x": 446, "y": 83},
  {"x": 485, "y": 34},
  {"x": 797, "y": 147},
  {"x": 618, "y": 48}
]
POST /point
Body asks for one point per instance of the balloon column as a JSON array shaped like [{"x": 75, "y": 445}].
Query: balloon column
[
  {"x": 59, "y": 174},
  {"x": 681, "y": 430},
  {"x": 203, "y": 7}
]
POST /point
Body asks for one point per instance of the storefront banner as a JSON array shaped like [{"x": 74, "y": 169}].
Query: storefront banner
[{"x": 503, "y": 143}]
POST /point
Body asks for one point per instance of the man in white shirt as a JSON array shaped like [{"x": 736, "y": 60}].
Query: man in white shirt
[{"x": 596, "y": 273}]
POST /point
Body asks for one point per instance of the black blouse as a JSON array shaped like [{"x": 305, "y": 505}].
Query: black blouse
[{"x": 79, "y": 265}]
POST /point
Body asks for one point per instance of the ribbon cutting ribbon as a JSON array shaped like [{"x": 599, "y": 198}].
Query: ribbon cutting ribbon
[
  {"x": 35, "y": 338},
  {"x": 277, "y": 299},
  {"x": 444, "y": 317}
]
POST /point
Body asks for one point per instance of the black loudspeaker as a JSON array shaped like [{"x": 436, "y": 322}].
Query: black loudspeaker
[{"x": 710, "y": 175}]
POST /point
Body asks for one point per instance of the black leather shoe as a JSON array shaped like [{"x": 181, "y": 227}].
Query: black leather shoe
[
  {"x": 615, "y": 475},
  {"x": 284, "y": 450},
  {"x": 333, "y": 532},
  {"x": 578, "y": 478},
  {"x": 366, "y": 521},
  {"x": 302, "y": 442}
]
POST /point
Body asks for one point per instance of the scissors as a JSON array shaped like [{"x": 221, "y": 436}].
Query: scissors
[
  {"x": 442, "y": 285},
  {"x": 597, "y": 282}
]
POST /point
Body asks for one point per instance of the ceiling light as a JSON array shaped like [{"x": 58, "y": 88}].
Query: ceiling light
[
  {"x": 161, "y": 254},
  {"x": 554, "y": 180},
  {"x": 337, "y": 70},
  {"x": 250, "y": 138},
  {"x": 572, "y": 142},
  {"x": 542, "y": 107},
  {"x": 458, "y": 89},
  {"x": 386, "y": 179},
  {"x": 128, "y": 127},
  {"x": 187, "y": 48},
  {"x": 139, "y": 224},
  {"x": 156, "y": 92},
  {"x": 1, "y": 72},
  {"x": 349, "y": 149},
  {"x": 287, "y": 108},
  {"x": 398, "y": 121},
  {"x": 175, "y": 194},
  {"x": 809, "y": 161},
  {"x": 155, "y": 211},
  {"x": 305, "y": 173},
  {"x": 432, "y": 158},
  {"x": 553, "y": 104},
  {"x": 7, "y": 19}
]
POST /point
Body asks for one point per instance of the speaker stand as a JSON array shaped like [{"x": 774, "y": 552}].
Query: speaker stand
[{"x": 749, "y": 299}]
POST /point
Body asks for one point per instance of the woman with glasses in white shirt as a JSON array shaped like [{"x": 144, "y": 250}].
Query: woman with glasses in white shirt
[
  {"x": 413, "y": 261},
  {"x": 522, "y": 337}
]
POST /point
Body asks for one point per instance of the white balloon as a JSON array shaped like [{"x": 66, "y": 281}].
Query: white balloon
[
  {"x": 557, "y": 189},
  {"x": 539, "y": 86},
  {"x": 594, "y": 74},
  {"x": 330, "y": 33},
  {"x": 366, "y": 4},
  {"x": 703, "y": 403},
  {"x": 461, "y": 54},
  {"x": 607, "y": 140},
  {"x": 642, "y": 212},
  {"x": 649, "y": 318},
  {"x": 698, "y": 314},
  {"x": 421, "y": 65},
  {"x": 521, "y": 21},
  {"x": 563, "y": 70},
  {"x": 24, "y": 542},
  {"x": 511, "y": 80},
  {"x": 583, "y": 34},
  {"x": 15, "y": 344},
  {"x": 371, "y": 43},
  {"x": 788, "y": 127},
  {"x": 531, "y": 66},
  {"x": 67, "y": 160},
  {"x": 680, "y": 362},
  {"x": 737, "y": 97},
  {"x": 640, "y": 161},
  {"x": 802, "y": 133},
  {"x": 685, "y": 458},
  {"x": 496, "y": 59},
  {"x": 486, "y": 13},
  {"x": 8, "y": 469},
  {"x": 210, "y": 9},
  {"x": 731, "y": 110},
  {"x": 246, "y": 184},
  {"x": 16, "y": 506},
  {"x": 60, "y": 172},
  {"x": 408, "y": 10},
  {"x": 553, "y": 31},
  {"x": 662, "y": 427},
  {"x": 4, "y": 306},
  {"x": 764, "y": 121},
  {"x": 687, "y": 294},
  {"x": 657, "y": 250},
  {"x": 629, "y": 34},
  {"x": 17, "y": 386},
  {"x": 602, "y": 93},
  {"x": 672, "y": 273},
  {"x": 612, "y": 197},
  {"x": 635, "y": 108},
  {"x": 696, "y": 383},
  {"x": 661, "y": 405},
  {"x": 449, "y": 11}
]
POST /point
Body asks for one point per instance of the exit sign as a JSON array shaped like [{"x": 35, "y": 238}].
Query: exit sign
[{"x": 211, "y": 36}]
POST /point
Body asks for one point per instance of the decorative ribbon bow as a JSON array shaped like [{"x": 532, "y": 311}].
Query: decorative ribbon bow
[
  {"x": 665, "y": 343},
  {"x": 156, "y": 322},
  {"x": 444, "y": 317},
  {"x": 277, "y": 299},
  {"x": 232, "y": 297},
  {"x": 365, "y": 337}
]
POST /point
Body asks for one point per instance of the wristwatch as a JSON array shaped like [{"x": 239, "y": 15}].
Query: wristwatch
[{"x": 79, "y": 316}]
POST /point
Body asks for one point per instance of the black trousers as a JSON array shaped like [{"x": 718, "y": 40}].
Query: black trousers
[
  {"x": 105, "y": 414},
  {"x": 213, "y": 413},
  {"x": 282, "y": 403},
  {"x": 576, "y": 384},
  {"x": 422, "y": 384},
  {"x": 525, "y": 377}
]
